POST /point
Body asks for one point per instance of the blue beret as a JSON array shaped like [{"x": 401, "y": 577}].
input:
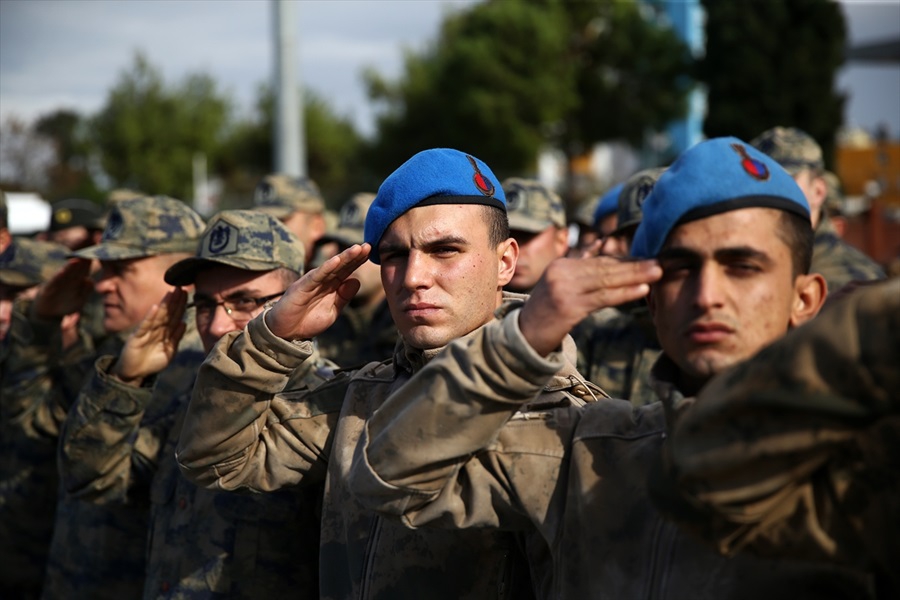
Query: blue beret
[
  {"x": 436, "y": 176},
  {"x": 713, "y": 177},
  {"x": 609, "y": 203}
]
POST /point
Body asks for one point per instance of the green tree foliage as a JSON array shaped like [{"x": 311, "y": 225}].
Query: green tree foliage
[
  {"x": 772, "y": 63},
  {"x": 505, "y": 77},
  {"x": 148, "y": 133},
  {"x": 69, "y": 175},
  {"x": 332, "y": 146}
]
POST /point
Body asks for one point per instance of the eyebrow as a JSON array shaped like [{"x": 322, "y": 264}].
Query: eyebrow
[
  {"x": 722, "y": 254},
  {"x": 239, "y": 293},
  {"x": 447, "y": 240}
]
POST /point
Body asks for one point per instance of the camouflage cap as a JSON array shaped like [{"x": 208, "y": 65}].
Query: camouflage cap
[
  {"x": 532, "y": 206},
  {"x": 790, "y": 147},
  {"x": 119, "y": 194},
  {"x": 146, "y": 226},
  {"x": 280, "y": 195},
  {"x": 27, "y": 262},
  {"x": 631, "y": 198},
  {"x": 245, "y": 239},
  {"x": 76, "y": 212},
  {"x": 352, "y": 221}
]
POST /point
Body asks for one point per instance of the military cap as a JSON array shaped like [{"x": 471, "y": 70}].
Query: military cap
[
  {"x": 435, "y": 176},
  {"x": 245, "y": 239},
  {"x": 632, "y": 197},
  {"x": 712, "y": 177},
  {"x": 76, "y": 212},
  {"x": 146, "y": 226},
  {"x": 609, "y": 203},
  {"x": 351, "y": 221},
  {"x": 280, "y": 195},
  {"x": 119, "y": 194},
  {"x": 532, "y": 206},
  {"x": 27, "y": 262},
  {"x": 834, "y": 199},
  {"x": 792, "y": 148}
]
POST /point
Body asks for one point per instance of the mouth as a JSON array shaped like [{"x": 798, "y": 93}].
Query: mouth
[
  {"x": 420, "y": 309},
  {"x": 708, "y": 333}
]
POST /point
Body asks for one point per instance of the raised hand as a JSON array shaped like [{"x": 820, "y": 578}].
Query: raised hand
[
  {"x": 573, "y": 288},
  {"x": 150, "y": 348},
  {"x": 312, "y": 303},
  {"x": 66, "y": 292}
]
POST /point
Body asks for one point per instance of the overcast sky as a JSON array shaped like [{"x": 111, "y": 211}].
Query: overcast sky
[{"x": 69, "y": 53}]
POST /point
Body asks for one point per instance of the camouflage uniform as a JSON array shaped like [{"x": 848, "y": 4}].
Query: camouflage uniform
[
  {"x": 98, "y": 550},
  {"x": 251, "y": 424},
  {"x": 361, "y": 334},
  {"x": 118, "y": 452},
  {"x": 836, "y": 260},
  {"x": 30, "y": 413},
  {"x": 576, "y": 475},
  {"x": 794, "y": 452},
  {"x": 282, "y": 196}
]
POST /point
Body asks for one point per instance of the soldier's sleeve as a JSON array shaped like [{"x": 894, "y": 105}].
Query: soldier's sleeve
[
  {"x": 105, "y": 448},
  {"x": 451, "y": 448},
  {"x": 795, "y": 452},
  {"x": 252, "y": 422}
]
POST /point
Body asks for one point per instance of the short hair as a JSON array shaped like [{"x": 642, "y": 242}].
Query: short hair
[
  {"x": 288, "y": 276},
  {"x": 797, "y": 233},
  {"x": 498, "y": 224}
]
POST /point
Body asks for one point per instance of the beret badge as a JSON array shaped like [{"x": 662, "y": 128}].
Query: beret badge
[{"x": 754, "y": 168}]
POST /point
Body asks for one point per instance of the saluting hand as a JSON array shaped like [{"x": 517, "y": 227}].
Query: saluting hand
[
  {"x": 66, "y": 292},
  {"x": 312, "y": 303},
  {"x": 150, "y": 348},
  {"x": 573, "y": 288}
]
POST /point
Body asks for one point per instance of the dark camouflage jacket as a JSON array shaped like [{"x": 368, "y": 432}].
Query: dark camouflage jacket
[
  {"x": 242, "y": 431},
  {"x": 839, "y": 262},
  {"x": 575, "y": 475},
  {"x": 617, "y": 349},
  {"x": 795, "y": 453}
]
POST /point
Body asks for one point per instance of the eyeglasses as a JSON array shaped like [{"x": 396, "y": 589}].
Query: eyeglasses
[{"x": 239, "y": 309}]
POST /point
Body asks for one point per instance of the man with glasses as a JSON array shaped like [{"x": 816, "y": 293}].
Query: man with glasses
[{"x": 115, "y": 450}]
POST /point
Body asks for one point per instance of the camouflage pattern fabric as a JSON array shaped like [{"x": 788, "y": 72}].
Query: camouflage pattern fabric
[
  {"x": 792, "y": 148},
  {"x": 98, "y": 549},
  {"x": 839, "y": 262},
  {"x": 575, "y": 475},
  {"x": 279, "y": 195},
  {"x": 26, "y": 262},
  {"x": 532, "y": 206},
  {"x": 360, "y": 336},
  {"x": 794, "y": 453},
  {"x": 255, "y": 378},
  {"x": 616, "y": 351}
]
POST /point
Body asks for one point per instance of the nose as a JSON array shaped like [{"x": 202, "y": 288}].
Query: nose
[
  {"x": 105, "y": 283},
  {"x": 221, "y": 323},
  {"x": 417, "y": 271},
  {"x": 709, "y": 285}
]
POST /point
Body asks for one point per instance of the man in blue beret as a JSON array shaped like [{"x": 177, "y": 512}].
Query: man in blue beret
[
  {"x": 723, "y": 250},
  {"x": 438, "y": 228}
]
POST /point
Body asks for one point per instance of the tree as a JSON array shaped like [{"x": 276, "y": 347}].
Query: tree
[
  {"x": 773, "y": 63},
  {"x": 148, "y": 133},
  {"x": 25, "y": 156},
  {"x": 69, "y": 176},
  {"x": 506, "y": 77}
]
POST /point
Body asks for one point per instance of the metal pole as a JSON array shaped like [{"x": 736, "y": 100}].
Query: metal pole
[{"x": 290, "y": 151}]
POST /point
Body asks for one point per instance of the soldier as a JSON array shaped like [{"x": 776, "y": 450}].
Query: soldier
[
  {"x": 794, "y": 453},
  {"x": 605, "y": 217},
  {"x": 97, "y": 551},
  {"x": 438, "y": 229},
  {"x": 76, "y": 224},
  {"x": 297, "y": 202},
  {"x": 364, "y": 330},
  {"x": 537, "y": 221},
  {"x": 725, "y": 244},
  {"x": 119, "y": 441},
  {"x": 28, "y": 476},
  {"x": 618, "y": 346},
  {"x": 801, "y": 156},
  {"x": 5, "y": 237}
]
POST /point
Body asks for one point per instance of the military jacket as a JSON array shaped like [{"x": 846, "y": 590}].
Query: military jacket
[
  {"x": 100, "y": 534},
  {"x": 250, "y": 425},
  {"x": 575, "y": 475},
  {"x": 617, "y": 349},
  {"x": 795, "y": 452},
  {"x": 839, "y": 262},
  {"x": 359, "y": 336},
  {"x": 38, "y": 383}
]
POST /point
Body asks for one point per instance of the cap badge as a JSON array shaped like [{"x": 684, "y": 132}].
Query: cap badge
[
  {"x": 756, "y": 169},
  {"x": 220, "y": 239},
  {"x": 63, "y": 216},
  {"x": 114, "y": 226},
  {"x": 483, "y": 184}
]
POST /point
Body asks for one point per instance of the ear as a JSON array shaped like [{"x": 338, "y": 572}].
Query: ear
[
  {"x": 508, "y": 254},
  {"x": 562, "y": 241},
  {"x": 810, "y": 292},
  {"x": 318, "y": 226}
]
